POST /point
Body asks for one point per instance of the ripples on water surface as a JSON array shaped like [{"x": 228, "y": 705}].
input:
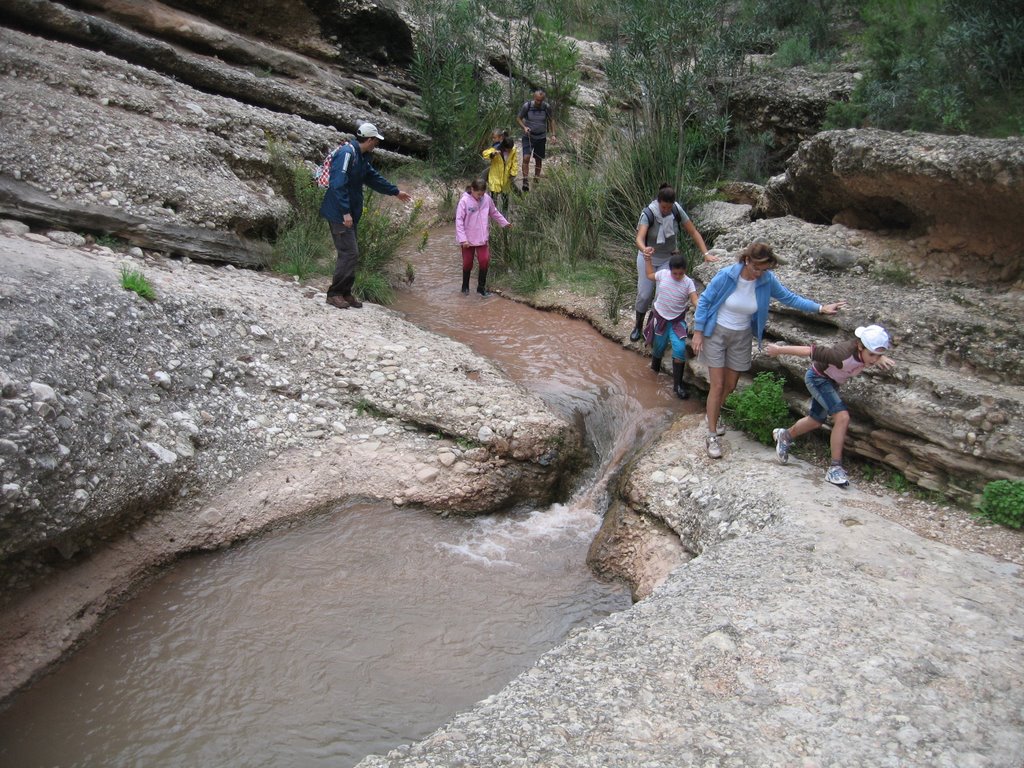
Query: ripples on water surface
[{"x": 347, "y": 635}]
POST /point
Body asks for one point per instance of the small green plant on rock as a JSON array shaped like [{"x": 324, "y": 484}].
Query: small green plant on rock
[
  {"x": 133, "y": 280},
  {"x": 898, "y": 482},
  {"x": 1002, "y": 502},
  {"x": 759, "y": 408},
  {"x": 113, "y": 242},
  {"x": 365, "y": 408}
]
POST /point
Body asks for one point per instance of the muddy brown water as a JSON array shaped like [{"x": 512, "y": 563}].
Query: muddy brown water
[{"x": 369, "y": 626}]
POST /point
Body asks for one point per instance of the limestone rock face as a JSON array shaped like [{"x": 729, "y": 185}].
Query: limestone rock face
[
  {"x": 962, "y": 195},
  {"x": 382, "y": 33},
  {"x": 788, "y": 104},
  {"x": 115, "y": 410}
]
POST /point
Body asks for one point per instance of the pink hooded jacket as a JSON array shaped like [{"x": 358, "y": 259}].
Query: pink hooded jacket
[{"x": 471, "y": 224}]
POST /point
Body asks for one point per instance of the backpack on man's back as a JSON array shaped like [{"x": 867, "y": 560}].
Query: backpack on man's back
[{"x": 322, "y": 175}]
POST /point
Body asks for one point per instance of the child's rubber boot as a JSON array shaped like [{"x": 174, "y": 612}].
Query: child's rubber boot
[
  {"x": 677, "y": 381},
  {"x": 638, "y": 331}
]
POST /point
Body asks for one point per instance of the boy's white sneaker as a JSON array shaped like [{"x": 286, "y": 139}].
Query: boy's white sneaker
[
  {"x": 782, "y": 442},
  {"x": 837, "y": 476}
]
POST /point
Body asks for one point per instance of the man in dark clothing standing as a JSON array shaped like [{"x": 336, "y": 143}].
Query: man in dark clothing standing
[
  {"x": 343, "y": 205},
  {"x": 535, "y": 118}
]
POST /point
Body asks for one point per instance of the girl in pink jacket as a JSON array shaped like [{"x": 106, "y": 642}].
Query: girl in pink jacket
[{"x": 472, "y": 230}]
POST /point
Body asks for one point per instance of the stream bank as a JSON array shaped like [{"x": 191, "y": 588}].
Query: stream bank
[{"x": 137, "y": 431}]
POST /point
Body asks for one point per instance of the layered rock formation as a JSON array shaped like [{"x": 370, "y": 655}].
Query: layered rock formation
[
  {"x": 789, "y": 105},
  {"x": 959, "y": 196},
  {"x": 149, "y": 112},
  {"x": 950, "y": 417}
]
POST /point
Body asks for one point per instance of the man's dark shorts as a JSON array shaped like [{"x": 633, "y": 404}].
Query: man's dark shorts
[{"x": 534, "y": 147}]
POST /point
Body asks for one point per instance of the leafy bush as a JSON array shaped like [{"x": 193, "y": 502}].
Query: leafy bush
[
  {"x": 133, "y": 280},
  {"x": 380, "y": 234},
  {"x": 459, "y": 105},
  {"x": 898, "y": 482},
  {"x": 793, "y": 52},
  {"x": 1002, "y": 502},
  {"x": 894, "y": 274},
  {"x": 759, "y": 408},
  {"x": 749, "y": 158}
]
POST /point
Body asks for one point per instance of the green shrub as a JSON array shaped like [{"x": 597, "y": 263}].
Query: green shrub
[
  {"x": 460, "y": 106},
  {"x": 950, "y": 66},
  {"x": 793, "y": 52},
  {"x": 303, "y": 247},
  {"x": 1002, "y": 502},
  {"x": 749, "y": 158},
  {"x": 759, "y": 408},
  {"x": 898, "y": 482},
  {"x": 894, "y": 274},
  {"x": 113, "y": 242},
  {"x": 380, "y": 234},
  {"x": 133, "y": 280}
]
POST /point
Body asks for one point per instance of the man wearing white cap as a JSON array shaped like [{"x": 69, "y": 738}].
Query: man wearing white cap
[
  {"x": 830, "y": 367},
  {"x": 343, "y": 205}
]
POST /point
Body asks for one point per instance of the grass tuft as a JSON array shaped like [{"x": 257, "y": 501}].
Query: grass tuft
[{"x": 134, "y": 280}]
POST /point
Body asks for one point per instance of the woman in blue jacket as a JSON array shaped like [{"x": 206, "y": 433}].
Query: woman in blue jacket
[{"x": 732, "y": 308}]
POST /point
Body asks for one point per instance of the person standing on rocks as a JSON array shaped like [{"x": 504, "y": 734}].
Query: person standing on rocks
[
  {"x": 343, "y": 205},
  {"x": 657, "y": 237},
  {"x": 676, "y": 293},
  {"x": 830, "y": 367},
  {"x": 536, "y": 120},
  {"x": 732, "y": 308},
  {"x": 473, "y": 231}
]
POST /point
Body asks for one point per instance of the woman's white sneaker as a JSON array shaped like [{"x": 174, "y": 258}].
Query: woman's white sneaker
[{"x": 782, "y": 442}]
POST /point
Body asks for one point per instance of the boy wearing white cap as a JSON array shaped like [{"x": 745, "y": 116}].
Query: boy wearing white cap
[{"x": 830, "y": 367}]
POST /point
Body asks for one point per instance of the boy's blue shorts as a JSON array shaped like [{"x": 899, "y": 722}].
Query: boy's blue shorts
[{"x": 825, "y": 399}]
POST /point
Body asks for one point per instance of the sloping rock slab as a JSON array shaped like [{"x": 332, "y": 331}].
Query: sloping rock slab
[
  {"x": 808, "y": 631},
  {"x": 206, "y": 73}
]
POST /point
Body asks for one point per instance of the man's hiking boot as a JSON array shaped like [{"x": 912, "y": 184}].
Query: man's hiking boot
[
  {"x": 353, "y": 301},
  {"x": 337, "y": 301}
]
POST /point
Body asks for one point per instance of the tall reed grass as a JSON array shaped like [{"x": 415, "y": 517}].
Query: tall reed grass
[{"x": 304, "y": 247}]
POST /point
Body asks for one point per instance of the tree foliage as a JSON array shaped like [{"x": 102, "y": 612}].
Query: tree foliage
[{"x": 940, "y": 65}]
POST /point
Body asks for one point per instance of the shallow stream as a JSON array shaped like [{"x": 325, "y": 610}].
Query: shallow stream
[{"x": 368, "y": 626}]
